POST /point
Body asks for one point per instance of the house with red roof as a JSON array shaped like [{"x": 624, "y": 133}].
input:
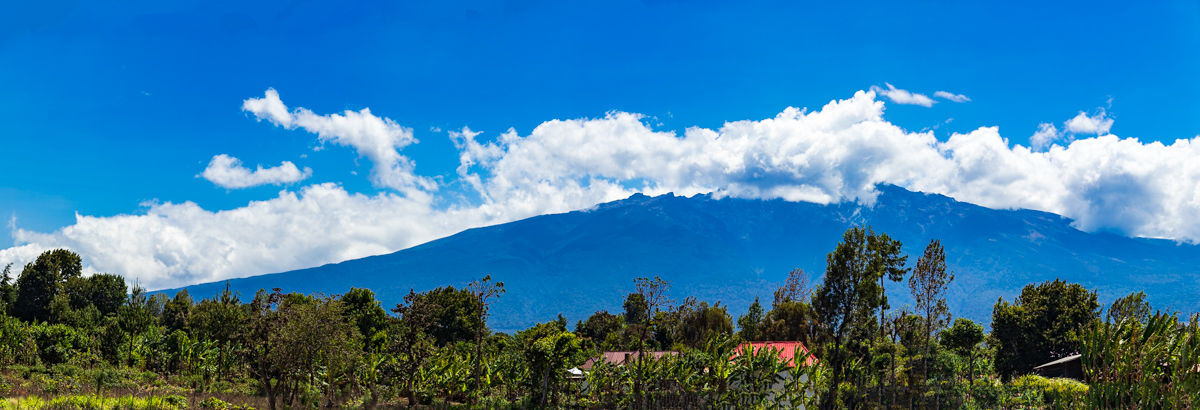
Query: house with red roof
[{"x": 786, "y": 351}]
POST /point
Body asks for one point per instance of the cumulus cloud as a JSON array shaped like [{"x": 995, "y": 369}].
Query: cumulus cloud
[
  {"x": 838, "y": 153},
  {"x": 1098, "y": 124},
  {"x": 958, "y": 98},
  {"x": 227, "y": 172},
  {"x": 901, "y": 96},
  {"x": 1046, "y": 135},
  {"x": 378, "y": 139}
]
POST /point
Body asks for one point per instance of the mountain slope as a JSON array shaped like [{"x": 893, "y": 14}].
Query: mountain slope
[{"x": 733, "y": 250}]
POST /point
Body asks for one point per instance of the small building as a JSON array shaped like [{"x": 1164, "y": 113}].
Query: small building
[
  {"x": 785, "y": 350},
  {"x": 1070, "y": 367},
  {"x": 622, "y": 358}
]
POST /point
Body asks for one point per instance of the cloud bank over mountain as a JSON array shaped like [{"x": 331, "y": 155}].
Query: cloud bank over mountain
[{"x": 838, "y": 153}]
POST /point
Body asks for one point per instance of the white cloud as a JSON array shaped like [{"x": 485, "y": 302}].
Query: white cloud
[
  {"x": 901, "y": 96},
  {"x": 378, "y": 139},
  {"x": 1097, "y": 124},
  {"x": 227, "y": 172},
  {"x": 958, "y": 98},
  {"x": 1045, "y": 136},
  {"x": 838, "y": 153}
]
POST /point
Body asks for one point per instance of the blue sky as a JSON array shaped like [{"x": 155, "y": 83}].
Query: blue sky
[{"x": 109, "y": 109}]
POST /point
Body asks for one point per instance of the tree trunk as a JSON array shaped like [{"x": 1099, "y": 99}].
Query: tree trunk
[{"x": 545, "y": 385}]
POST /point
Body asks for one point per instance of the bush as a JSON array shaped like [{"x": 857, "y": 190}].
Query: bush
[
  {"x": 1056, "y": 393},
  {"x": 213, "y": 403}
]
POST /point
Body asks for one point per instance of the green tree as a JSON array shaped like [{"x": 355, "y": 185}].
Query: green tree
[
  {"x": 8, "y": 291},
  {"x": 455, "y": 316},
  {"x": 1131, "y": 307},
  {"x": 133, "y": 317},
  {"x": 694, "y": 322},
  {"x": 549, "y": 350},
  {"x": 636, "y": 311},
  {"x": 485, "y": 292},
  {"x": 409, "y": 344},
  {"x": 929, "y": 283},
  {"x": 794, "y": 289},
  {"x": 365, "y": 312},
  {"x": 653, "y": 294},
  {"x": 792, "y": 317},
  {"x": 962, "y": 338},
  {"x": 792, "y": 321},
  {"x": 220, "y": 319},
  {"x": 177, "y": 311},
  {"x": 43, "y": 279},
  {"x": 104, "y": 291},
  {"x": 748, "y": 324},
  {"x": 849, "y": 296},
  {"x": 597, "y": 328},
  {"x": 1043, "y": 323}
]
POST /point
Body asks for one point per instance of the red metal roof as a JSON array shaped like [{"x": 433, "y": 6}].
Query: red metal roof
[
  {"x": 619, "y": 358},
  {"x": 787, "y": 351}
]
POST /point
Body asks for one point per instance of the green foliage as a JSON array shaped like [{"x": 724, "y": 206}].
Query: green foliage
[
  {"x": 8, "y": 291},
  {"x": 596, "y": 329},
  {"x": 791, "y": 321},
  {"x": 963, "y": 336},
  {"x": 365, "y": 312},
  {"x": 636, "y": 309},
  {"x": 42, "y": 280},
  {"x": 93, "y": 402},
  {"x": 177, "y": 311},
  {"x": 105, "y": 292},
  {"x": 748, "y": 324},
  {"x": 692, "y": 322},
  {"x": 294, "y": 350},
  {"x": 1056, "y": 393},
  {"x": 1043, "y": 323},
  {"x": 1131, "y": 307},
  {"x": 1131, "y": 364},
  {"x": 57, "y": 343},
  {"x": 455, "y": 314},
  {"x": 849, "y": 296}
]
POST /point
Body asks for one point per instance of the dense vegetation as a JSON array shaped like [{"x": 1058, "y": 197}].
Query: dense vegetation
[{"x": 70, "y": 341}]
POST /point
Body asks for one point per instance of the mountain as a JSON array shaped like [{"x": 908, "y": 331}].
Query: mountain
[{"x": 733, "y": 250}]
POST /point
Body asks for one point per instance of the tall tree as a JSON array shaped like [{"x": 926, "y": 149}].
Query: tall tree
[
  {"x": 928, "y": 284},
  {"x": 791, "y": 317},
  {"x": 456, "y": 314},
  {"x": 42, "y": 280},
  {"x": 134, "y": 318},
  {"x": 486, "y": 292},
  {"x": 8, "y": 291},
  {"x": 1042, "y": 324},
  {"x": 693, "y": 322},
  {"x": 748, "y": 324},
  {"x": 104, "y": 291},
  {"x": 794, "y": 289},
  {"x": 850, "y": 295},
  {"x": 177, "y": 312},
  {"x": 219, "y": 319},
  {"x": 635, "y": 311},
  {"x": 365, "y": 312},
  {"x": 409, "y": 345},
  {"x": 652, "y": 292},
  {"x": 1131, "y": 307},
  {"x": 597, "y": 327},
  {"x": 962, "y": 338}
]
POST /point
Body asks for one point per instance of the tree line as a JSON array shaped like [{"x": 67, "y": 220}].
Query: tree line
[{"x": 299, "y": 350}]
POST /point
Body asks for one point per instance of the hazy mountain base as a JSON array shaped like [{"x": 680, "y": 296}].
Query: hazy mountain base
[{"x": 733, "y": 250}]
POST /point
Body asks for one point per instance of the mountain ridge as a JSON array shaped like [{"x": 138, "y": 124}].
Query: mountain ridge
[{"x": 733, "y": 250}]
